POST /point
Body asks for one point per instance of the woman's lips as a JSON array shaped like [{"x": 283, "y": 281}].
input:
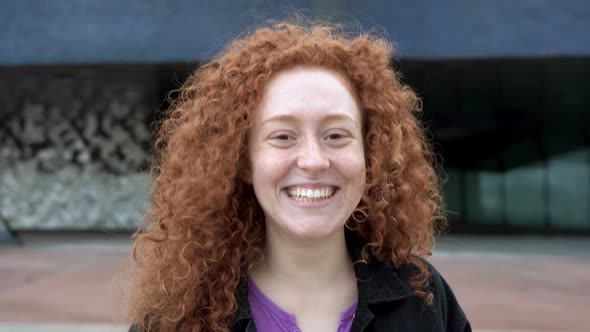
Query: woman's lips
[
  {"x": 307, "y": 194},
  {"x": 311, "y": 203}
]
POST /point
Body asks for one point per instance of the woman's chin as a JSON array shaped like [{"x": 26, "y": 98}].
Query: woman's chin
[{"x": 315, "y": 229}]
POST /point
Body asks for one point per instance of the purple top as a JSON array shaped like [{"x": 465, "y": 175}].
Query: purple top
[{"x": 270, "y": 317}]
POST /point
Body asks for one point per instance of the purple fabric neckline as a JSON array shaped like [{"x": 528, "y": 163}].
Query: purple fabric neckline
[
  {"x": 262, "y": 298},
  {"x": 286, "y": 316}
]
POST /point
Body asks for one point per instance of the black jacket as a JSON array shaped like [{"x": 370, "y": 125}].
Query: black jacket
[{"x": 385, "y": 301}]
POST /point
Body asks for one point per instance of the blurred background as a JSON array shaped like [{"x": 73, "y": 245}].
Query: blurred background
[{"x": 505, "y": 88}]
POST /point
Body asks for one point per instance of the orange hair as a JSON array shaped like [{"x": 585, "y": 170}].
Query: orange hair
[{"x": 205, "y": 228}]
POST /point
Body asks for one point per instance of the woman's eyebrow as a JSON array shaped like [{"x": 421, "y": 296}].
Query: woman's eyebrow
[
  {"x": 279, "y": 118},
  {"x": 292, "y": 119},
  {"x": 339, "y": 117}
]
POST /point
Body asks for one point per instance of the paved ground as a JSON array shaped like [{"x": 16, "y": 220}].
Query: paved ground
[{"x": 62, "y": 282}]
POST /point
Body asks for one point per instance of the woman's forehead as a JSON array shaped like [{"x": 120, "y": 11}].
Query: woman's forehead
[
  {"x": 304, "y": 71},
  {"x": 303, "y": 90}
]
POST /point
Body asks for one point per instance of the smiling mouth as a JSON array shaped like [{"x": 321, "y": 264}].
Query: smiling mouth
[{"x": 310, "y": 195}]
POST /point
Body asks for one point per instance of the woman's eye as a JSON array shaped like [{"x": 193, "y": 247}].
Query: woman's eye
[
  {"x": 283, "y": 137},
  {"x": 335, "y": 136}
]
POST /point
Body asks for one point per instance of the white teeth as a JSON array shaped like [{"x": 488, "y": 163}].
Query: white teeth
[{"x": 308, "y": 195}]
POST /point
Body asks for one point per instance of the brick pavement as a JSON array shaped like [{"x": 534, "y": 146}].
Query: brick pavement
[{"x": 70, "y": 282}]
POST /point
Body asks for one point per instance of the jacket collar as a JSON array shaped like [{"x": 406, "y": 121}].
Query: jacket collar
[
  {"x": 243, "y": 316},
  {"x": 377, "y": 283}
]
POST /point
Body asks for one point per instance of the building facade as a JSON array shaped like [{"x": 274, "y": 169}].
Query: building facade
[{"x": 504, "y": 86}]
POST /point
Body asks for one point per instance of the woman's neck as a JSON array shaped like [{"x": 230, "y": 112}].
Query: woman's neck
[{"x": 307, "y": 265}]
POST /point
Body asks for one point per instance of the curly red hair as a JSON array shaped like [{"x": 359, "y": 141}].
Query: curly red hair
[{"x": 205, "y": 228}]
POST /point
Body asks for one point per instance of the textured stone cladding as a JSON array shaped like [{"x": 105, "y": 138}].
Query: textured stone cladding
[{"x": 75, "y": 146}]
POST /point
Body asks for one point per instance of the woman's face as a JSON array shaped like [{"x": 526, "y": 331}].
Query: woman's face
[{"x": 306, "y": 157}]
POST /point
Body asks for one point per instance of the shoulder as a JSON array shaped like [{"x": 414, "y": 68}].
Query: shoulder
[
  {"x": 394, "y": 303},
  {"x": 445, "y": 302}
]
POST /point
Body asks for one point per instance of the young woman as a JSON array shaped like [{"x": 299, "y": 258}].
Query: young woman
[{"x": 293, "y": 191}]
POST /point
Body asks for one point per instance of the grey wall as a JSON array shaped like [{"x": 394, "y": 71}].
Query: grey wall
[
  {"x": 75, "y": 146},
  {"x": 88, "y": 31}
]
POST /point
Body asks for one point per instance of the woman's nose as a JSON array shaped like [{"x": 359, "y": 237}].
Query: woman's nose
[{"x": 311, "y": 157}]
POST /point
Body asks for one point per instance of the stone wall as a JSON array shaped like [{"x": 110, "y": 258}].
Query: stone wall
[
  {"x": 161, "y": 31},
  {"x": 74, "y": 146}
]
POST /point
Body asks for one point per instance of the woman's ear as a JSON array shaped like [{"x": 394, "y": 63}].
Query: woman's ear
[{"x": 244, "y": 170}]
